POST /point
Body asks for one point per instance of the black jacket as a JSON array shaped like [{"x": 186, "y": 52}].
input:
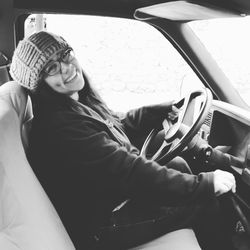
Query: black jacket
[{"x": 88, "y": 166}]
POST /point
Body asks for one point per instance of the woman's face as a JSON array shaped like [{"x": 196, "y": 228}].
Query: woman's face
[{"x": 63, "y": 73}]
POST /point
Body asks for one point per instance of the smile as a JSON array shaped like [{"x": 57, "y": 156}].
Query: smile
[{"x": 71, "y": 77}]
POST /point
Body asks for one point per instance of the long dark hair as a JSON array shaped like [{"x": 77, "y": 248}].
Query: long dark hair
[{"x": 87, "y": 96}]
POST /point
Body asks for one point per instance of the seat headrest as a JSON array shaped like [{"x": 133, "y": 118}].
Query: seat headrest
[
  {"x": 16, "y": 97},
  {"x": 4, "y": 74}
]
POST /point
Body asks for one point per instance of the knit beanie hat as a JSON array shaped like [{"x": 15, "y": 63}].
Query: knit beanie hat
[{"x": 32, "y": 54}]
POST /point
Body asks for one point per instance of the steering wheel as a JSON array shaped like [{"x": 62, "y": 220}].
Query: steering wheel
[{"x": 178, "y": 135}]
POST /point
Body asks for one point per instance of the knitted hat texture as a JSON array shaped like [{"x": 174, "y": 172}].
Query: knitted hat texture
[{"x": 32, "y": 54}]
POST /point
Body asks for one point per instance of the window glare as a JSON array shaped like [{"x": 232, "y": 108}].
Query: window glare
[
  {"x": 228, "y": 41},
  {"x": 129, "y": 62}
]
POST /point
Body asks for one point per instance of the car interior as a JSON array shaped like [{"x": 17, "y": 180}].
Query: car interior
[{"x": 219, "y": 135}]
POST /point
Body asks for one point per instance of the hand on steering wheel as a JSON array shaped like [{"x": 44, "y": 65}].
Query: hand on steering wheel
[
  {"x": 174, "y": 113},
  {"x": 177, "y": 133}
]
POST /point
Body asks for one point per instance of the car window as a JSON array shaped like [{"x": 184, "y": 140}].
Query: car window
[
  {"x": 228, "y": 41},
  {"x": 129, "y": 62}
]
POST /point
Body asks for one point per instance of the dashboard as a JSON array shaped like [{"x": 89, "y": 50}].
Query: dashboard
[{"x": 227, "y": 128}]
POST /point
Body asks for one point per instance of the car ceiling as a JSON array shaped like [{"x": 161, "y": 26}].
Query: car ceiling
[{"x": 124, "y": 8}]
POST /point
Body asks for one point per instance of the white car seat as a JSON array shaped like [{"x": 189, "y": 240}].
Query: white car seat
[{"x": 28, "y": 220}]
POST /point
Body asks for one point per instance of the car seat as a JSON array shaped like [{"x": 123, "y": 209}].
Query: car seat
[{"x": 28, "y": 220}]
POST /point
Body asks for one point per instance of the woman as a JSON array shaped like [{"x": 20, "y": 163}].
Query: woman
[{"x": 84, "y": 157}]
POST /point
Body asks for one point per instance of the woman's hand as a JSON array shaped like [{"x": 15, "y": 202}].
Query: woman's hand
[
  {"x": 173, "y": 114},
  {"x": 223, "y": 182},
  {"x": 176, "y": 108}
]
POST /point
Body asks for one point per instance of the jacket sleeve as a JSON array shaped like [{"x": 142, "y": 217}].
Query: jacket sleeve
[
  {"x": 146, "y": 118},
  {"x": 113, "y": 168},
  {"x": 137, "y": 123}
]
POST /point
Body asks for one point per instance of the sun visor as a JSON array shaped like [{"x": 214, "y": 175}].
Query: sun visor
[{"x": 182, "y": 11}]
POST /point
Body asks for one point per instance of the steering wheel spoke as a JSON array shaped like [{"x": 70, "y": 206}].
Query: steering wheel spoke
[{"x": 164, "y": 148}]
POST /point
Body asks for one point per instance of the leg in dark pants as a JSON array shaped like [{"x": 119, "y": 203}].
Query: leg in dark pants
[
  {"x": 179, "y": 164},
  {"x": 211, "y": 229},
  {"x": 139, "y": 222},
  {"x": 210, "y": 224}
]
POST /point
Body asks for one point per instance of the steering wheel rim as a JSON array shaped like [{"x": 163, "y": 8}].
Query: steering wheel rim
[{"x": 160, "y": 156}]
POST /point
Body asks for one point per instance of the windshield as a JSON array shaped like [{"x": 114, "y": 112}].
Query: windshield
[{"x": 228, "y": 41}]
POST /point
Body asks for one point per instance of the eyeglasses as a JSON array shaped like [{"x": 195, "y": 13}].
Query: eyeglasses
[{"x": 54, "y": 67}]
